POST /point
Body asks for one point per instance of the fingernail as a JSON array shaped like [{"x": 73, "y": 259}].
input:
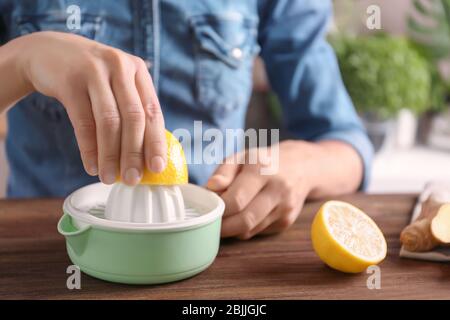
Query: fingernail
[
  {"x": 157, "y": 164},
  {"x": 210, "y": 182},
  {"x": 132, "y": 176},
  {"x": 93, "y": 170},
  {"x": 108, "y": 178},
  {"x": 214, "y": 181}
]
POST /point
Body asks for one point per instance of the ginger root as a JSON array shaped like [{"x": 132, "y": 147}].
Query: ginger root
[
  {"x": 431, "y": 229},
  {"x": 440, "y": 225}
]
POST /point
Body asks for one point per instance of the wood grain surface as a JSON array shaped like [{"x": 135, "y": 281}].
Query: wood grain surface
[{"x": 33, "y": 262}]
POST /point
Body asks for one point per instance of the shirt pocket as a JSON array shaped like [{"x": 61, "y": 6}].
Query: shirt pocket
[
  {"x": 224, "y": 50},
  {"x": 56, "y": 20}
]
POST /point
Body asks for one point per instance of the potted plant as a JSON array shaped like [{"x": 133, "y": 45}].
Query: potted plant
[
  {"x": 429, "y": 28},
  {"x": 383, "y": 75}
]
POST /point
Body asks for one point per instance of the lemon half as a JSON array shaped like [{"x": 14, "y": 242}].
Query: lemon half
[{"x": 347, "y": 239}]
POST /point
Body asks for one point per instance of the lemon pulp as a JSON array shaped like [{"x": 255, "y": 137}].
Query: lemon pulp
[{"x": 346, "y": 239}]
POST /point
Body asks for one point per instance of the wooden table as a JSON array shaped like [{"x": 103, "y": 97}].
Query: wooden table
[{"x": 33, "y": 262}]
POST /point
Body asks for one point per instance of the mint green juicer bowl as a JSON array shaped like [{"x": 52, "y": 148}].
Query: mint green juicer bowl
[{"x": 141, "y": 253}]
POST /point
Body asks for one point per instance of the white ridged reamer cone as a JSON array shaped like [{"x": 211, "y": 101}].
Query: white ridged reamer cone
[{"x": 145, "y": 204}]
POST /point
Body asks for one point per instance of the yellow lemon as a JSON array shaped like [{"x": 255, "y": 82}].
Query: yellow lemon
[
  {"x": 176, "y": 169},
  {"x": 346, "y": 239}
]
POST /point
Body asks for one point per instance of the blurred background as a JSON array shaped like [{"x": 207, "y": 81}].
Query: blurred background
[{"x": 398, "y": 78}]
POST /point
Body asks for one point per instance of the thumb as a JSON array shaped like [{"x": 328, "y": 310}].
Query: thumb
[{"x": 224, "y": 175}]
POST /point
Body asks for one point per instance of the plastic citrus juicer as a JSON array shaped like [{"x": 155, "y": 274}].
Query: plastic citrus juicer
[
  {"x": 161, "y": 230},
  {"x": 145, "y": 204}
]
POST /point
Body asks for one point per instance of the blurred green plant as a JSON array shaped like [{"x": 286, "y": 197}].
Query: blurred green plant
[
  {"x": 383, "y": 74},
  {"x": 429, "y": 28}
]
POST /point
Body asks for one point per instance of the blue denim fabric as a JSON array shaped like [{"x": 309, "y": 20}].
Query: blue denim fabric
[{"x": 191, "y": 47}]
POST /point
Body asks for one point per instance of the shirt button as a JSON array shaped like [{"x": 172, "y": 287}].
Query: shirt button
[{"x": 237, "y": 53}]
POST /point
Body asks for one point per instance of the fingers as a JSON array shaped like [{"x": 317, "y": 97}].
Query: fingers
[
  {"x": 243, "y": 223},
  {"x": 108, "y": 127},
  {"x": 242, "y": 190},
  {"x": 272, "y": 210},
  {"x": 129, "y": 121},
  {"x": 133, "y": 124},
  {"x": 83, "y": 123},
  {"x": 275, "y": 222},
  {"x": 225, "y": 174},
  {"x": 280, "y": 219},
  {"x": 271, "y": 218},
  {"x": 154, "y": 137},
  {"x": 283, "y": 221}
]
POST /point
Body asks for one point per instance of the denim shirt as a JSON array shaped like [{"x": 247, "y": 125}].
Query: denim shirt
[{"x": 200, "y": 55}]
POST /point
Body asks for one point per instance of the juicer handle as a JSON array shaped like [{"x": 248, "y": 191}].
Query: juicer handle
[{"x": 67, "y": 229}]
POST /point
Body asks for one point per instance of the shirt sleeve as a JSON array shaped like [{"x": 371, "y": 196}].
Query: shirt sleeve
[{"x": 304, "y": 73}]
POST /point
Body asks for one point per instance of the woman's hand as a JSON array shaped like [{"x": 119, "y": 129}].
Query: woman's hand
[
  {"x": 109, "y": 97},
  {"x": 257, "y": 203}
]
